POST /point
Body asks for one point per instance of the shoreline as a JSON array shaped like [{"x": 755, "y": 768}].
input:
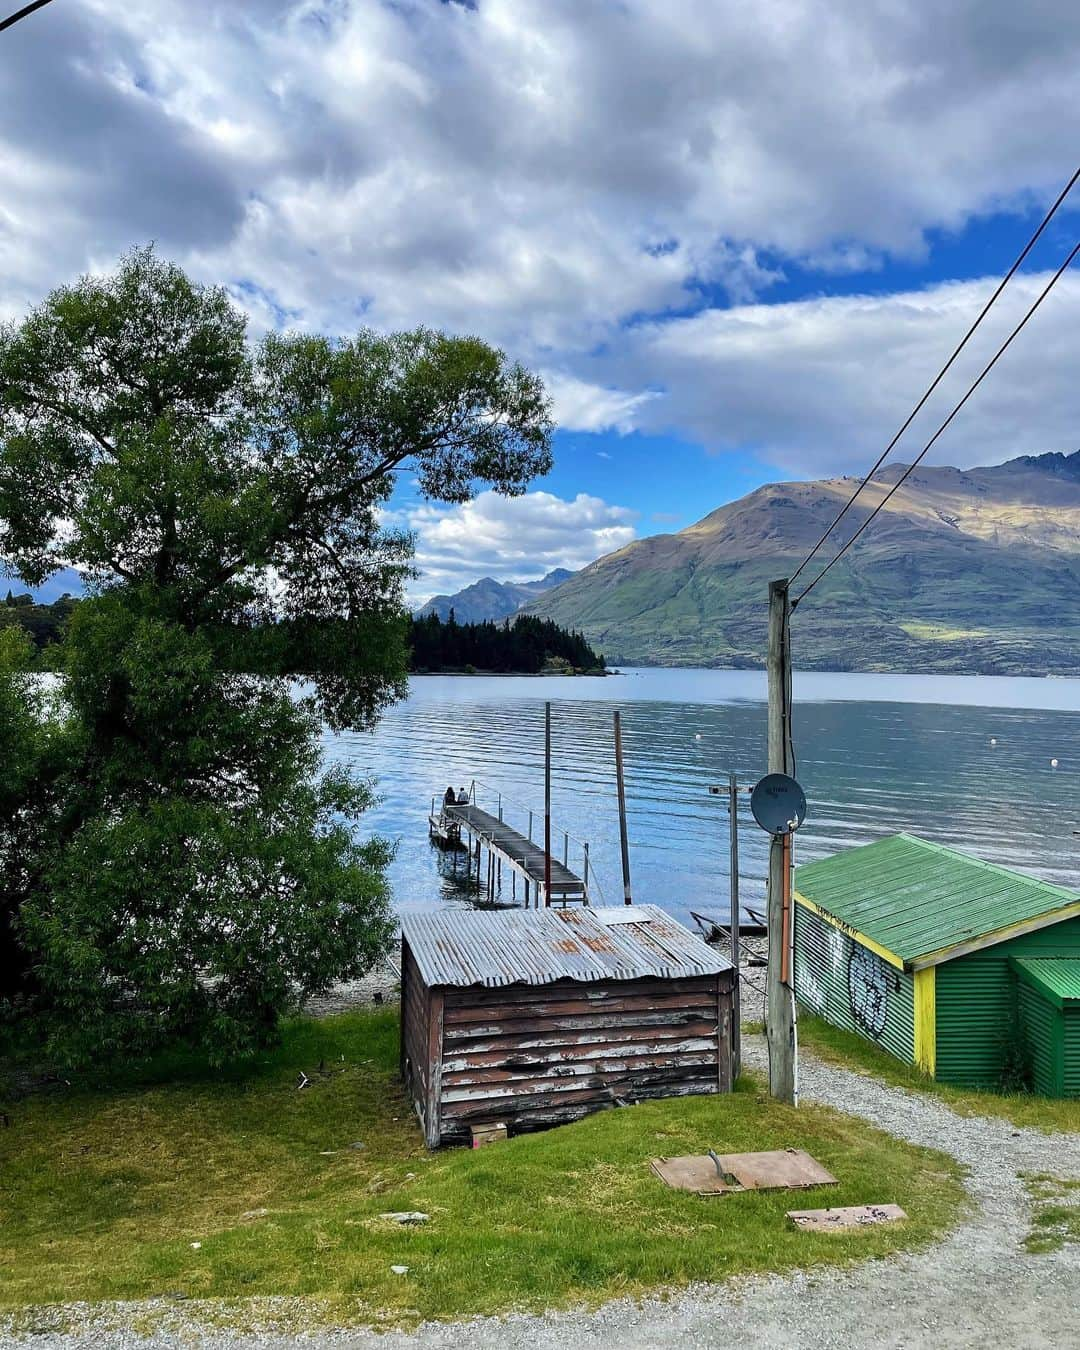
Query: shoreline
[{"x": 521, "y": 674}]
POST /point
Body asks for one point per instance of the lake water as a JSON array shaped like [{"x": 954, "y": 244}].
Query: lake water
[{"x": 875, "y": 754}]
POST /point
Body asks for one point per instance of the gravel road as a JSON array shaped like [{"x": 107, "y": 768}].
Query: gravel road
[{"x": 979, "y": 1287}]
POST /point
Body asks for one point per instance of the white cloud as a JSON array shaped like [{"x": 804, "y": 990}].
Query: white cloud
[
  {"x": 511, "y": 538},
  {"x": 580, "y": 406},
  {"x": 546, "y": 172},
  {"x": 820, "y": 386},
  {"x": 536, "y": 170}
]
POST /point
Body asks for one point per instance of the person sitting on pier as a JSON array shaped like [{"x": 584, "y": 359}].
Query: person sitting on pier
[
  {"x": 462, "y": 797},
  {"x": 448, "y": 797}
]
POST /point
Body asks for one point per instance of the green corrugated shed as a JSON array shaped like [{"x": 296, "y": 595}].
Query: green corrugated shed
[
  {"x": 915, "y": 946},
  {"x": 1049, "y": 1002},
  {"x": 852, "y": 987},
  {"x": 916, "y": 898},
  {"x": 1056, "y": 978},
  {"x": 977, "y": 1004}
]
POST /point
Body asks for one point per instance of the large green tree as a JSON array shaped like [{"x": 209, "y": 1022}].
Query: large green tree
[{"x": 179, "y": 864}]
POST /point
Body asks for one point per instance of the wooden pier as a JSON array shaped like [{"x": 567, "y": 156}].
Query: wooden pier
[
  {"x": 520, "y": 854},
  {"x": 487, "y": 836}
]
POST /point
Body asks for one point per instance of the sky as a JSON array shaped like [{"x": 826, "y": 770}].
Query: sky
[{"x": 736, "y": 240}]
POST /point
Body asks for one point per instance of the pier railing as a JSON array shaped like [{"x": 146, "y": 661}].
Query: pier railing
[{"x": 527, "y": 820}]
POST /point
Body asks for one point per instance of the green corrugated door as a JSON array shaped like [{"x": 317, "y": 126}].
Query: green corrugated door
[
  {"x": 977, "y": 1004},
  {"x": 1071, "y": 1085},
  {"x": 1040, "y": 1024},
  {"x": 976, "y": 1008},
  {"x": 852, "y": 987}
]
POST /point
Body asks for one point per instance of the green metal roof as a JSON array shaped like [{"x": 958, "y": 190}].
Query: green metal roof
[
  {"x": 915, "y": 898},
  {"x": 1058, "y": 977}
]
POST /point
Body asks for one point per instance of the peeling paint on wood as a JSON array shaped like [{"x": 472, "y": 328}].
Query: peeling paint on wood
[{"x": 532, "y": 1056}]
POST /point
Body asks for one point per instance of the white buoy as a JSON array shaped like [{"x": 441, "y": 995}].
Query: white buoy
[
  {"x": 697, "y": 737},
  {"x": 993, "y": 740},
  {"x": 1053, "y": 763}
]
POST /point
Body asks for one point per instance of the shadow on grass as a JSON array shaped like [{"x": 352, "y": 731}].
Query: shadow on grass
[{"x": 225, "y": 1184}]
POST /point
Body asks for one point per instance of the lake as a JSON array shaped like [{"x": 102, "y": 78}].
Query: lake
[{"x": 875, "y": 754}]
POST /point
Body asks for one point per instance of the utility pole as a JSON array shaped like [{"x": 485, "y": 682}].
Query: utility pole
[
  {"x": 547, "y": 803},
  {"x": 733, "y": 915},
  {"x": 621, "y": 789},
  {"x": 780, "y": 1003}
]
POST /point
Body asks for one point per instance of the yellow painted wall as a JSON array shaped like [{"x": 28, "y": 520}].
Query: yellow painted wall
[{"x": 926, "y": 1019}]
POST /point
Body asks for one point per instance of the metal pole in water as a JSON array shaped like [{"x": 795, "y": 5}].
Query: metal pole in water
[
  {"x": 585, "y": 851},
  {"x": 627, "y": 900},
  {"x": 547, "y": 803}
]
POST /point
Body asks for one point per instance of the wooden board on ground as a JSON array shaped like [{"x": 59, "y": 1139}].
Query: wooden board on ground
[
  {"x": 782, "y": 1169},
  {"x": 692, "y": 1173},
  {"x": 844, "y": 1218}
]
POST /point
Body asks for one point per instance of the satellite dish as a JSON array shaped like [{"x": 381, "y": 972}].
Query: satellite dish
[{"x": 778, "y": 804}]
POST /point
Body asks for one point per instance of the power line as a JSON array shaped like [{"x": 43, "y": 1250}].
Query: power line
[
  {"x": 942, "y": 372},
  {"x": 22, "y": 13},
  {"x": 922, "y": 453}
]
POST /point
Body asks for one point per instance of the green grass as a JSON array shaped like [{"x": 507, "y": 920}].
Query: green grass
[
  {"x": 106, "y": 1188},
  {"x": 1055, "y": 1220},
  {"x": 1049, "y": 1114}
]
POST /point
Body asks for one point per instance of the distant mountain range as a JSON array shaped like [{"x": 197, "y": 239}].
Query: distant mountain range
[
  {"x": 972, "y": 570},
  {"x": 490, "y": 599}
]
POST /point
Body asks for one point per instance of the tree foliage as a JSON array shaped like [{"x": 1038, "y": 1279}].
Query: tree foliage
[
  {"x": 525, "y": 645},
  {"x": 191, "y": 871}
]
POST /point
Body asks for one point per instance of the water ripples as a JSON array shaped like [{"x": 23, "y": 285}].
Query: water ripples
[{"x": 869, "y": 765}]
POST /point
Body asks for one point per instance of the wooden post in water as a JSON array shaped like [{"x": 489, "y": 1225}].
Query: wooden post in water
[
  {"x": 547, "y": 803},
  {"x": 780, "y": 1003},
  {"x": 623, "y": 843}
]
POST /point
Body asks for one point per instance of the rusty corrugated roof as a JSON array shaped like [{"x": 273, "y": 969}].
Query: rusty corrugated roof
[{"x": 461, "y": 948}]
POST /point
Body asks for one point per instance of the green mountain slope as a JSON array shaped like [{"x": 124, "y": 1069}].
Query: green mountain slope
[{"x": 975, "y": 570}]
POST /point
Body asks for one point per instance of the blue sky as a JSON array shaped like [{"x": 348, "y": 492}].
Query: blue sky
[
  {"x": 669, "y": 481},
  {"x": 736, "y": 241}
]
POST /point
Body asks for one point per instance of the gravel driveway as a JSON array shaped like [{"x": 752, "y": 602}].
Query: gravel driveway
[{"x": 979, "y": 1287}]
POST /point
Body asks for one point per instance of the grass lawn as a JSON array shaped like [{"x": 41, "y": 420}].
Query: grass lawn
[
  {"x": 1055, "y": 1220},
  {"x": 1052, "y": 1115},
  {"x": 226, "y": 1184}
]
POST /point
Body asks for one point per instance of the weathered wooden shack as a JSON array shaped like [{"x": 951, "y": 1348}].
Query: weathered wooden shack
[
  {"x": 955, "y": 964},
  {"x": 537, "y": 1017}
]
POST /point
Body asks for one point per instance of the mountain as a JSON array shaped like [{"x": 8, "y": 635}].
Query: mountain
[
  {"x": 490, "y": 599},
  {"x": 972, "y": 570}
]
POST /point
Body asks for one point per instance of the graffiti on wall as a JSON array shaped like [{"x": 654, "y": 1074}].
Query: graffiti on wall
[{"x": 868, "y": 990}]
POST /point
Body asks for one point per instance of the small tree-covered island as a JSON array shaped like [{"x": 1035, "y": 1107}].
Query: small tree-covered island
[
  {"x": 176, "y": 867},
  {"x": 524, "y": 645}
]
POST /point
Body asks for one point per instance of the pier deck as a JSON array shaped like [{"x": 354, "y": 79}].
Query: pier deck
[{"x": 519, "y": 853}]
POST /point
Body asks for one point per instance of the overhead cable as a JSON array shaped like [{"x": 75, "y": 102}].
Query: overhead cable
[
  {"x": 942, "y": 372},
  {"x": 922, "y": 453}
]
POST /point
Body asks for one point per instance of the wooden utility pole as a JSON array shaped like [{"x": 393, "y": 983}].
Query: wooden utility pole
[
  {"x": 780, "y": 1004},
  {"x": 547, "y": 803},
  {"x": 733, "y": 918},
  {"x": 620, "y": 786}
]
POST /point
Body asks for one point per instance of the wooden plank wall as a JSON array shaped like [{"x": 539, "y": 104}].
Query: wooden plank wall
[
  {"x": 415, "y": 998},
  {"x": 539, "y": 1056}
]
